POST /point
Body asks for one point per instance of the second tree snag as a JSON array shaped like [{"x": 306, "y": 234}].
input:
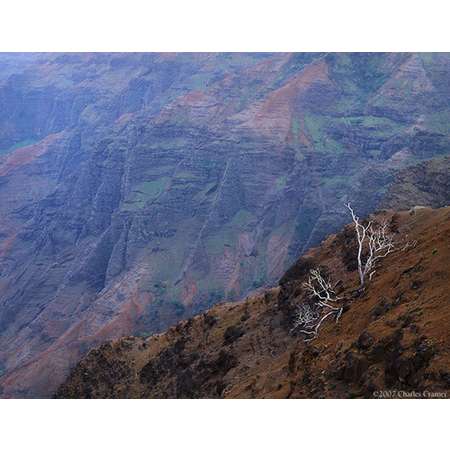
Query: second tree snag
[
  {"x": 374, "y": 243},
  {"x": 311, "y": 315}
]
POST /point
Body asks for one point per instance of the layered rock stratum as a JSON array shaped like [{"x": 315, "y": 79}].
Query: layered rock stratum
[{"x": 140, "y": 189}]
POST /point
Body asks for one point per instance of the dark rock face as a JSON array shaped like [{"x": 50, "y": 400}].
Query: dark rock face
[
  {"x": 139, "y": 189},
  {"x": 426, "y": 183}
]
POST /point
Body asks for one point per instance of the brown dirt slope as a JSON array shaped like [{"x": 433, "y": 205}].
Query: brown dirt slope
[{"x": 395, "y": 336}]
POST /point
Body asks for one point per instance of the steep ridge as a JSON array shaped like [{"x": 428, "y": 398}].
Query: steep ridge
[
  {"x": 140, "y": 189},
  {"x": 394, "y": 336}
]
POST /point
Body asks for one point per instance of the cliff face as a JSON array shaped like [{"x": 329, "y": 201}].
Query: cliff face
[
  {"x": 427, "y": 183},
  {"x": 139, "y": 189},
  {"x": 395, "y": 336}
]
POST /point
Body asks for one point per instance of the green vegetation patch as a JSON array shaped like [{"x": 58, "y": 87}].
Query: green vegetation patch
[
  {"x": 20, "y": 144},
  {"x": 145, "y": 192},
  {"x": 153, "y": 188},
  {"x": 378, "y": 126},
  {"x": 316, "y": 128},
  {"x": 281, "y": 182},
  {"x": 227, "y": 234},
  {"x": 438, "y": 122}
]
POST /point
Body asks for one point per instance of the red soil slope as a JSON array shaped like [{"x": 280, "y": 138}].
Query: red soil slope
[{"x": 394, "y": 337}]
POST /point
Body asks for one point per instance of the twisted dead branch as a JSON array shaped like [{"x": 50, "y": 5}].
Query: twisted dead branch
[{"x": 311, "y": 315}]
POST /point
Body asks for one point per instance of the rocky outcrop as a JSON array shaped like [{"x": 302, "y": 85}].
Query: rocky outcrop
[
  {"x": 391, "y": 341},
  {"x": 140, "y": 189}
]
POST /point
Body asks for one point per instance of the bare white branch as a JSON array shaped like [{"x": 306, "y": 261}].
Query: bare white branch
[
  {"x": 374, "y": 243},
  {"x": 408, "y": 244},
  {"x": 320, "y": 287},
  {"x": 311, "y": 315}
]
